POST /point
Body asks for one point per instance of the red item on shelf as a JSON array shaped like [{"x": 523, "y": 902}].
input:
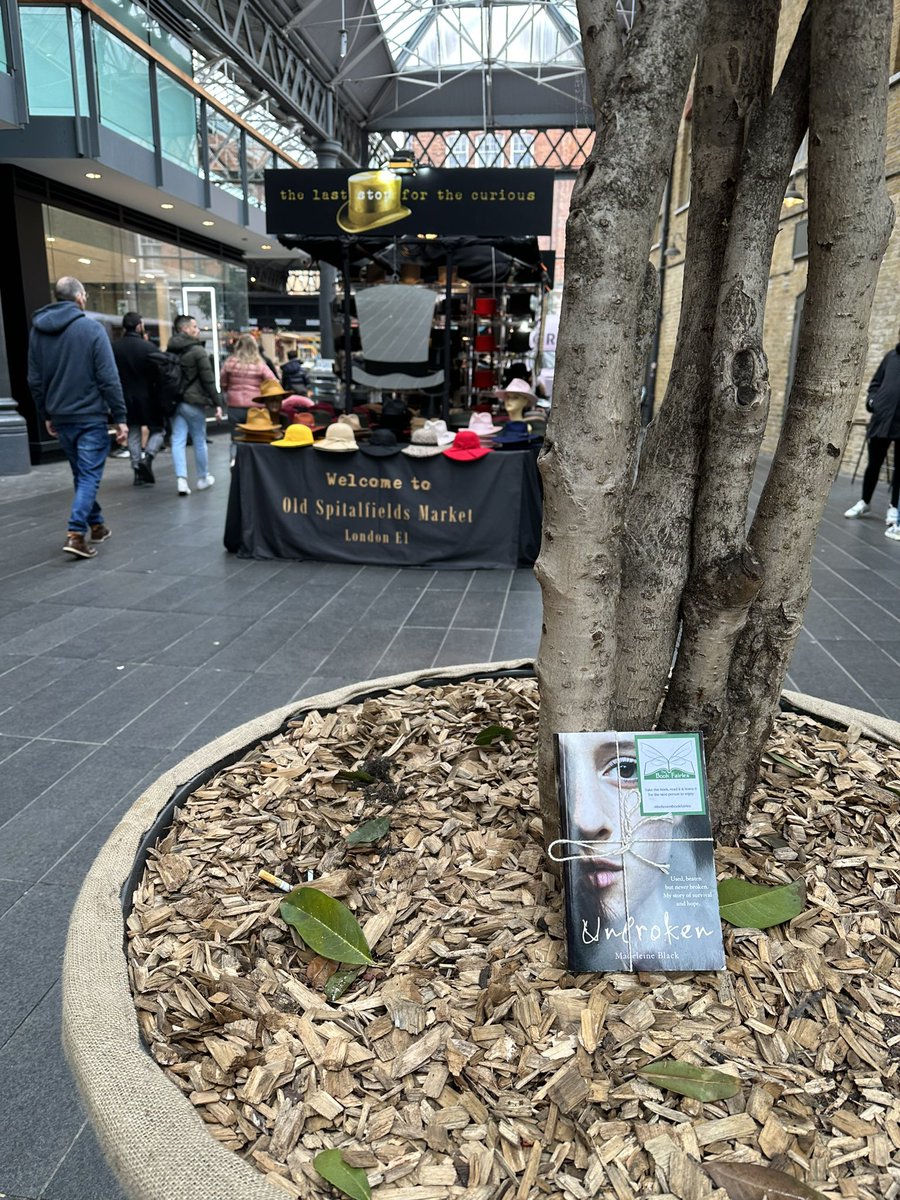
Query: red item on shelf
[
  {"x": 485, "y": 343},
  {"x": 485, "y": 306},
  {"x": 483, "y": 377}
]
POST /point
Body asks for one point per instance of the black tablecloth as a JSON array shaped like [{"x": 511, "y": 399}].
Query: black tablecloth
[{"x": 397, "y": 511}]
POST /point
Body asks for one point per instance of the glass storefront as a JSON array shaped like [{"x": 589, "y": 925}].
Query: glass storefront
[{"x": 123, "y": 271}]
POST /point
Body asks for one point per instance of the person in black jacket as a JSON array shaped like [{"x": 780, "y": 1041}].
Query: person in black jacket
[
  {"x": 134, "y": 359},
  {"x": 293, "y": 374},
  {"x": 883, "y": 402},
  {"x": 73, "y": 380}
]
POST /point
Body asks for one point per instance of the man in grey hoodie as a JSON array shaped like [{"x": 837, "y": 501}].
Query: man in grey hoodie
[{"x": 75, "y": 385}]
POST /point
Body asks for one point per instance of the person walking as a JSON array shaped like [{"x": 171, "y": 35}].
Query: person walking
[
  {"x": 199, "y": 393},
  {"x": 883, "y": 402},
  {"x": 76, "y": 390},
  {"x": 241, "y": 377},
  {"x": 134, "y": 356}
]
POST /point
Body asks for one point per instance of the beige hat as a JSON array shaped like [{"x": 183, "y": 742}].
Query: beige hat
[
  {"x": 339, "y": 439},
  {"x": 444, "y": 435},
  {"x": 424, "y": 444}
]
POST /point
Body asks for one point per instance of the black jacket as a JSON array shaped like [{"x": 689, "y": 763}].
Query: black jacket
[
  {"x": 133, "y": 357},
  {"x": 71, "y": 370},
  {"x": 293, "y": 375},
  {"x": 198, "y": 370},
  {"x": 883, "y": 400}
]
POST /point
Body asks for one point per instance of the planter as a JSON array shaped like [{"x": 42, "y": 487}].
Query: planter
[{"x": 151, "y": 1134}]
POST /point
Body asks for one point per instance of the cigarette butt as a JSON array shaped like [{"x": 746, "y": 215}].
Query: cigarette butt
[{"x": 281, "y": 884}]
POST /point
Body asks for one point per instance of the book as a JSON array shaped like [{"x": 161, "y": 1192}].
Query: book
[{"x": 636, "y": 848}]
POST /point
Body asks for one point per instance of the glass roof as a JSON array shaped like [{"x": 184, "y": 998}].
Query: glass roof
[{"x": 435, "y": 35}]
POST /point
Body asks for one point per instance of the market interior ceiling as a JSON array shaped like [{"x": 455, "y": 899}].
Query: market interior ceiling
[{"x": 408, "y": 65}]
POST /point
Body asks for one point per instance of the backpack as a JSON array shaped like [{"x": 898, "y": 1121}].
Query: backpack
[{"x": 170, "y": 382}]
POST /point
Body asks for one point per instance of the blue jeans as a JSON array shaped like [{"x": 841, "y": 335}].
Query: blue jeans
[
  {"x": 85, "y": 445},
  {"x": 189, "y": 418}
]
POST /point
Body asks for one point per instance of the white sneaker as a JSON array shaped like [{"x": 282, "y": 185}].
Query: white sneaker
[
  {"x": 859, "y": 509},
  {"x": 183, "y": 489},
  {"x": 891, "y": 517},
  {"x": 206, "y": 482},
  {"x": 893, "y": 532}
]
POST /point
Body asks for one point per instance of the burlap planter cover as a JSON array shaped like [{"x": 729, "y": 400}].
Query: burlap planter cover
[{"x": 149, "y": 1131}]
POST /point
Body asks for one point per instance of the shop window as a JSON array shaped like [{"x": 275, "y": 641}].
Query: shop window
[
  {"x": 178, "y": 123},
  {"x": 224, "y": 153},
  {"x": 801, "y": 239},
  {"x": 457, "y": 150},
  {"x": 49, "y": 80},
  {"x": 520, "y": 154},
  {"x": 489, "y": 152},
  {"x": 123, "y": 85}
]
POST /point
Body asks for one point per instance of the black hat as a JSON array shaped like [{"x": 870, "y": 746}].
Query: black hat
[
  {"x": 130, "y": 321},
  {"x": 382, "y": 444}
]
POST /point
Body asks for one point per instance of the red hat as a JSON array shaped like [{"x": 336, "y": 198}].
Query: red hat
[{"x": 466, "y": 446}]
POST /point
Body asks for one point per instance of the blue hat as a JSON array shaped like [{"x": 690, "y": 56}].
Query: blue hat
[{"x": 516, "y": 432}]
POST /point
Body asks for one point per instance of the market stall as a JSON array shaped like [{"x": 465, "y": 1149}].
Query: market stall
[{"x": 399, "y": 511}]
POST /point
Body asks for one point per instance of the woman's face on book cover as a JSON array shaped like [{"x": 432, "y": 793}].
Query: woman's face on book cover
[{"x": 606, "y": 810}]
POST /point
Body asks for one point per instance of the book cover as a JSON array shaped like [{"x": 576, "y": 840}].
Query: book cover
[{"x": 637, "y": 853}]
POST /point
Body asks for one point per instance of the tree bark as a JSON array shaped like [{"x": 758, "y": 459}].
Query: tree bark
[
  {"x": 588, "y": 458},
  {"x": 725, "y": 574},
  {"x": 733, "y": 72},
  {"x": 849, "y": 225}
]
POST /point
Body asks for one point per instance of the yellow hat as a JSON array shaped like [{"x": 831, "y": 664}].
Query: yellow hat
[
  {"x": 295, "y": 435},
  {"x": 374, "y": 201},
  {"x": 258, "y": 421}
]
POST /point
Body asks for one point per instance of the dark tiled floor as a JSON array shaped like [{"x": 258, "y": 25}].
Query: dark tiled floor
[{"x": 111, "y": 671}]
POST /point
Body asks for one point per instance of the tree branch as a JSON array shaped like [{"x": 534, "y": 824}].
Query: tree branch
[
  {"x": 849, "y": 224},
  {"x": 733, "y": 78}
]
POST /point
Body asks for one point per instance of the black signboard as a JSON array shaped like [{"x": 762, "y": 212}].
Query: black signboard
[
  {"x": 447, "y": 203},
  {"x": 410, "y": 512}
]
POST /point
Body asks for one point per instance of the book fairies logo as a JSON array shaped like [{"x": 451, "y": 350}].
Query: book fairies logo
[
  {"x": 668, "y": 763},
  {"x": 670, "y": 776}
]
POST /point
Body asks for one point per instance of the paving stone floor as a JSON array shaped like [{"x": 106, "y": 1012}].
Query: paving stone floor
[{"x": 113, "y": 670}]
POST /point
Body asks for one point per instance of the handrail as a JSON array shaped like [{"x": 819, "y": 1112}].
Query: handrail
[{"x": 148, "y": 51}]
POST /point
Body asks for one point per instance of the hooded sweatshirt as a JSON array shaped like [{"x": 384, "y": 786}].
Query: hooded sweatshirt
[
  {"x": 883, "y": 400},
  {"x": 71, "y": 370}
]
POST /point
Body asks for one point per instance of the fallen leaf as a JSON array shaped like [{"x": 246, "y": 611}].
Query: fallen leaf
[
  {"x": 351, "y": 1181},
  {"x": 746, "y": 1181},
  {"x": 369, "y": 831},
  {"x": 328, "y": 927},
  {"x": 755, "y": 906},
  {"x": 701, "y": 1083}
]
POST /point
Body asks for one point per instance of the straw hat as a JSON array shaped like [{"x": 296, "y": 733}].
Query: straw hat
[
  {"x": 294, "y": 437},
  {"x": 338, "y": 439},
  {"x": 444, "y": 435},
  {"x": 424, "y": 444}
]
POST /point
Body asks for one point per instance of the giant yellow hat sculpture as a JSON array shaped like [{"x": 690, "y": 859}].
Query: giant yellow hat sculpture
[{"x": 374, "y": 200}]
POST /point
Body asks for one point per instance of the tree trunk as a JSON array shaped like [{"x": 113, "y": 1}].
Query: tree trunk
[
  {"x": 733, "y": 73},
  {"x": 588, "y": 458},
  {"x": 849, "y": 225},
  {"x": 725, "y": 575}
]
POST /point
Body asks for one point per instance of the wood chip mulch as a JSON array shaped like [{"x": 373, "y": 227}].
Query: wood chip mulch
[{"x": 470, "y": 1062}]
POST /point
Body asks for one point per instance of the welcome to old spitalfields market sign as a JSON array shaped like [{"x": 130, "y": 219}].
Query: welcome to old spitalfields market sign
[{"x": 449, "y": 203}]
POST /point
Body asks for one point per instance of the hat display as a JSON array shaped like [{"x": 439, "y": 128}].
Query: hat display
[
  {"x": 270, "y": 389},
  {"x": 483, "y": 377},
  {"x": 516, "y": 435},
  {"x": 383, "y": 444},
  {"x": 424, "y": 444},
  {"x": 466, "y": 447},
  {"x": 517, "y": 387},
  {"x": 485, "y": 306},
  {"x": 296, "y": 404},
  {"x": 444, "y": 436},
  {"x": 485, "y": 343},
  {"x": 481, "y": 424},
  {"x": 338, "y": 439},
  {"x": 374, "y": 200},
  {"x": 294, "y": 437},
  {"x": 258, "y": 426}
]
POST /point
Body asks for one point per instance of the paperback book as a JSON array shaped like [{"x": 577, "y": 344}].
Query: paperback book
[{"x": 637, "y": 853}]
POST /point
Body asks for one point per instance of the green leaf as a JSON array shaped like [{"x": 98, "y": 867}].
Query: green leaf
[
  {"x": 494, "y": 733},
  {"x": 351, "y": 1181},
  {"x": 701, "y": 1083},
  {"x": 786, "y": 762},
  {"x": 755, "y": 906},
  {"x": 746, "y": 1181},
  {"x": 327, "y": 926},
  {"x": 340, "y": 981},
  {"x": 357, "y": 776},
  {"x": 369, "y": 831}
]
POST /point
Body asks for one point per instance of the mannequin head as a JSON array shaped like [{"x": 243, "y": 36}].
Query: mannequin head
[{"x": 517, "y": 396}]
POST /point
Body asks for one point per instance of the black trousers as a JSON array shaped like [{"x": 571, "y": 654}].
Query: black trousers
[{"x": 878, "y": 448}]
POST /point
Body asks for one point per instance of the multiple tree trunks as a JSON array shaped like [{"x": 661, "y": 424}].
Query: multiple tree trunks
[
  {"x": 471, "y": 1062},
  {"x": 658, "y": 606}
]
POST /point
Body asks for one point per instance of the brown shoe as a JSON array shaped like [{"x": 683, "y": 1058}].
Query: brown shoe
[
  {"x": 99, "y": 533},
  {"x": 75, "y": 544}
]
